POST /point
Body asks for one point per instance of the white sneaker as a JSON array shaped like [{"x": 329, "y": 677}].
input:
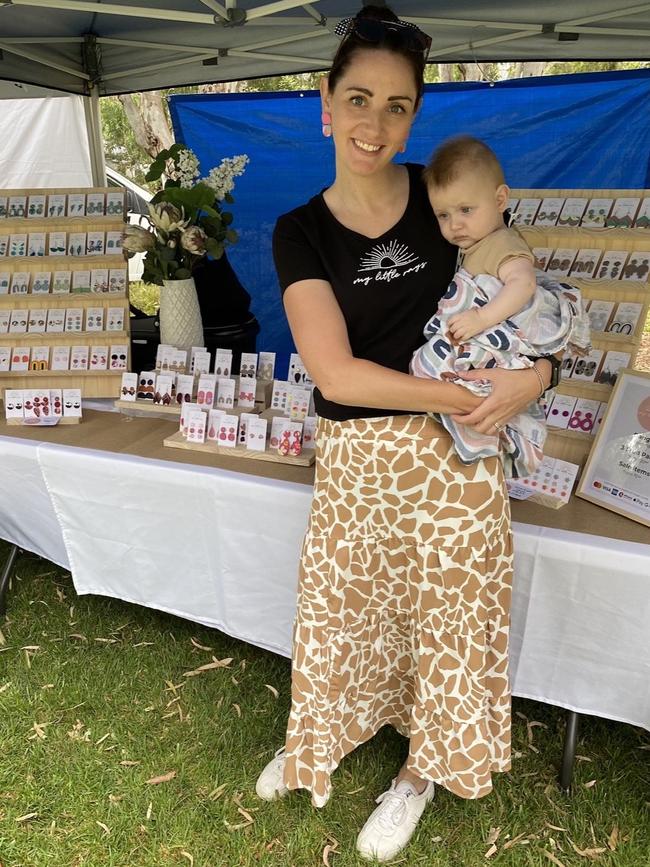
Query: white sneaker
[
  {"x": 391, "y": 825},
  {"x": 270, "y": 783}
]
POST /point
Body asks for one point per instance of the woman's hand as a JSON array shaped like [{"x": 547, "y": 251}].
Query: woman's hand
[{"x": 512, "y": 392}]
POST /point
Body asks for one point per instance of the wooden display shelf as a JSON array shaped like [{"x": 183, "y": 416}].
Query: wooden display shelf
[
  {"x": 60, "y": 223},
  {"x": 147, "y": 409},
  {"x": 54, "y": 338},
  {"x": 63, "y": 420},
  {"x": 178, "y": 441},
  {"x": 105, "y": 383},
  {"x": 47, "y": 263},
  {"x": 59, "y": 299}
]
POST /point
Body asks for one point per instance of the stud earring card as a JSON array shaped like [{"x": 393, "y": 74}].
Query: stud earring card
[
  {"x": 587, "y": 366},
  {"x": 94, "y": 318},
  {"x": 202, "y": 362},
  {"x": 599, "y": 313},
  {"x": 13, "y": 401},
  {"x": 60, "y": 358},
  {"x": 128, "y": 386},
  {"x": 244, "y": 421},
  {"x": 99, "y": 280},
  {"x": 98, "y": 358},
  {"x": 5, "y": 358},
  {"x": 73, "y": 319},
  {"x": 55, "y": 320},
  {"x": 186, "y": 410},
  {"x": 79, "y": 357},
  {"x": 118, "y": 356},
  {"x": 72, "y": 402},
  {"x": 115, "y": 319},
  {"x": 266, "y": 366},
  {"x": 279, "y": 395},
  {"x": 196, "y": 426},
  {"x": 37, "y": 321},
  {"x": 4, "y": 321},
  {"x": 228, "y": 431},
  {"x": 256, "y": 434},
  {"x": 309, "y": 432},
  {"x": 117, "y": 280},
  {"x": 560, "y": 411},
  {"x": 246, "y": 392},
  {"x": 596, "y": 213},
  {"x": 18, "y": 322},
  {"x": 20, "y": 358},
  {"x": 248, "y": 365}
]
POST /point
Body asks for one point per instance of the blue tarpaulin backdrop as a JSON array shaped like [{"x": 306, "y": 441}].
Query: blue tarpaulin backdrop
[{"x": 568, "y": 131}]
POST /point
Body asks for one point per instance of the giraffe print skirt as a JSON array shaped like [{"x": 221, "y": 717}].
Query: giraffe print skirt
[{"x": 403, "y": 607}]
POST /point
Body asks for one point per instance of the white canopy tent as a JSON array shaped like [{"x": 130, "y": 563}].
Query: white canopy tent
[{"x": 93, "y": 48}]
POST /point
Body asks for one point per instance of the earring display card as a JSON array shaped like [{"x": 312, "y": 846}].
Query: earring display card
[
  {"x": 614, "y": 361},
  {"x": 297, "y": 371},
  {"x": 3, "y": 206},
  {"x": 586, "y": 263},
  {"x": 60, "y": 357},
  {"x": 202, "y": 362},
  {"x": 638, "y": 266},
  {"x": 205, "y": 391},
  {"x": 248, "y": 365},
  {"x": 77, "y": 244},
  {"x": 214, "y": 423},
  {"x": 37, "y": 321},
  {"x": 115, "y": 204},
  {"x": 74, "y": 319},
  {"x": 4, "y": 244},
  {"x": 290, "y": 438},
  {"x": 20, "y": 358},
  {"x": 17, "y": 206},
  {"x": 225, "y": 393},
  {"x": 18, "y": 322},
  {"x": 572, "y": 212},
  {"x": 196, "y": 426},
  {"x": 625, "y": 318},
  {"x": 309, "y": 432},
  {"x": 599, "y": 313},
  {"x": 19, "y": 283},
  {"x": 561, "y": 262},
  {"x": 222, "y": 362},
  {"x": 184, "y": 386},
  {"x": 642, "y": 220},
  {"x": 513, "y": 205},
  {"x": 79, "y": 357},
  {"x": 244, "y": 420},
  {"x": 72, "y": 402},
  {"x": 61, "y": 282},
  {"x": 13, "y": 400},
  {"x": 115, "y": 319},
  {"x": 550, "y": 486},
  {"x": 94, "y": 204},
  {"x": 55, "y": 320},
  {"x": 146, "y": 383},
  {"x": 542, "y": 257},
  {"x": 76, "y": 205},
  {"x": 549, "y": 211},
  {"x": 36, "y": 245},
  {"x": 94, "y": 318},
  {"x": 4, "y": 321},
  {"x": 584, "y": 415},
  {"x": 17, "y": 245},
  {"x": 56, "y": 205},
  {"x": 297, "y": 402},
  {"x": 81, "y": 281},
  {"x": 184, "y": 422},
  {"x": 41, "y": 282},
  {"x": 596, "y": 213},
  {"x": 228, "y": 427},
  {"x": 587, "y": 366},
  {"x": 99, "y": 280},
  {"x": 95, "y": 244},
  {"x": 5, "y": 358},
  {"x": 164, "y": 356},
  {"x": 560, "y": 411},
  {"x": 179, "y": 360},
  {"x": 623, "y": 213},
  {"x": 164, "y": 388},
  {"x": 266, "y": 366},
  {"x": 118, "y": 356},
  {"x": 56, "y": 244},
  {"x": 527, "y": 211},
  {"x": 128, "y": 386},
  {"x": 246, "y": 392},
  {"x": 612, "y": 263},
  {"x": 113, "y": 243},
  {"x": 279, "y": 395},
  {"x": 40, "y": 358},
  {"x": 117, "y": 280},
  {"x": 5, "y": 277},
  {"x": 256, "y": 434},
  {"x": 98, "y": 358}
]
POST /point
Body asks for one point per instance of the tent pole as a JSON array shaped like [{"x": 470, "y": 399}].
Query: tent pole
[{"x": 95, "y": 140}]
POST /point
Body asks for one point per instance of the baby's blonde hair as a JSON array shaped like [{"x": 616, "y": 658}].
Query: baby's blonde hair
[{"x": 460, "y": 154}]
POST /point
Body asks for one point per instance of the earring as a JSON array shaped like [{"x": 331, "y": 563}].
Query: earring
[
  {"x": 402, "y": 148},
  {"x": 326, "y": 120}
]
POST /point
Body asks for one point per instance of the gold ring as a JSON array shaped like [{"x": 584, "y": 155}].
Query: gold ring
[{"x": 497, "y": 426}]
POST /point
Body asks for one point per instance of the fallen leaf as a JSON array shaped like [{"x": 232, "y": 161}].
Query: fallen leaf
[
  {"x": 552, "y": 858},
  {"x": 102, "y": 739},
  {"x": 6, "y": 686},
  {"x": 104, "y": 827},
  {"x": 31, "y": 647},
  {"x": 129, "y": 764},
  {"x": 613, "y": 838},
  {"x": 237, "y": 710},
  {"x": 272, "y": 690},
  {"x": 143, "y": 644},
  {"x": 330, "y": 849},
  {"x": 490, "y": 852},
  {"x": 163, "y": 778},
  {"x": 234, "y": 680},
  {"x": 3, "y": 640},
  {"x": 588, "y": 853},
  {"x": 27, "y": 817},
  {"x": 201, "y": 646},
  {"x": 107, "y": 640},
  {"x": 436, "y": 839},
  {"x": 590, "y": 784},
  {"x": 584, "y": 759},
  {"x": 189, "y": 857},
  {"x": 493, "y": 836},
  {"x": 78, "y": 635},
  {"x": 510, "y": 843},
  {"x": 115, "y": 799},
  {"x": 215, "y": 794},
  {"x": 356, "y": 791},
  {"x": 60, "y": 594},
  {"x": 149, "y": 810},
  {"x": 218, "y": 663},
  {"x": 555, "y": 827}
]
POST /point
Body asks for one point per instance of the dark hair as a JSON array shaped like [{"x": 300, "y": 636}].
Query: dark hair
[
  {"x": 459, "y": 154},
  {"x": 352, "y": 43}
]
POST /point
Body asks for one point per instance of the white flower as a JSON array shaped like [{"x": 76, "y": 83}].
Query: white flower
[
  {"x": 167, "y": 217},
  {"x": 221, "y": 178},
  {"x": 187, "y": 168}
]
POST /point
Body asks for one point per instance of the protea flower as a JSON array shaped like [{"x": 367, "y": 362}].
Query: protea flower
[
  {"x": 167, "y": 217},
  {"x": 135, "y": 239},
  {"x": 193, "y": 240}
]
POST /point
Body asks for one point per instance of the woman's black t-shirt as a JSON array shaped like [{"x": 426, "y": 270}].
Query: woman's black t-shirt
[{"x": 387, "y": 287}]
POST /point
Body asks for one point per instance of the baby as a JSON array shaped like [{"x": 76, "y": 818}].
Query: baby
[{"x": 498, "y": 311}]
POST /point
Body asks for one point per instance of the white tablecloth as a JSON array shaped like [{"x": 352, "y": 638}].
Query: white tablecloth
[{"x": 221, "y": 548}]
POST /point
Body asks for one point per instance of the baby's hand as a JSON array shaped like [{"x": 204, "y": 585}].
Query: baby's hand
[{"x": 464, "y": 325}]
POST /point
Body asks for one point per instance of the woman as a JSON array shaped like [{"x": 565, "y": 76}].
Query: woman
[{"x": 406, "y": 565}]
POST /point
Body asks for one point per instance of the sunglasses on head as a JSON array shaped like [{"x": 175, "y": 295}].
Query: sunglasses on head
[{"x": 375, "y": 32}]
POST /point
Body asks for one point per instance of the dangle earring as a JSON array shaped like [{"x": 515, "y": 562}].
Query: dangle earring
[{"x": 326, "y": 120}]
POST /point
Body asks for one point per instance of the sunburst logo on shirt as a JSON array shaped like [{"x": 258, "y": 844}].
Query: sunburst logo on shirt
[{"x": 387, "y": 256}]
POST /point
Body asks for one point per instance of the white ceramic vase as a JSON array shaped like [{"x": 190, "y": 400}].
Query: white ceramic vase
[{"x": 180, "y": 314}]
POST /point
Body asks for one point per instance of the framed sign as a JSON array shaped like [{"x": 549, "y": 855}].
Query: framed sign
[{"x": 617, "y": 474}]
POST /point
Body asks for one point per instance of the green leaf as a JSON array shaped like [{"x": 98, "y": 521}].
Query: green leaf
[
  {"x": 226, "y": 218},
  {"x": 228, "y": 198},
  {"x": 214, "y": 248},
  {"x": 156, "y": 169},
  {"x": 182, "y": 274},
  {"x": 231, "y": 236}
]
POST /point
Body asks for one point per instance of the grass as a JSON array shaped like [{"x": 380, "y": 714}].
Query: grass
[{"x": 95, "y": 702}]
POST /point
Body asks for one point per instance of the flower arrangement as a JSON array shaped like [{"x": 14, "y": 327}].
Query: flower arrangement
[{"x": 186, "y": 219}]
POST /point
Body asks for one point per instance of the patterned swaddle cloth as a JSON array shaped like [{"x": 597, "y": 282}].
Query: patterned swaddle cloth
[{"x": 554, "y": 319}]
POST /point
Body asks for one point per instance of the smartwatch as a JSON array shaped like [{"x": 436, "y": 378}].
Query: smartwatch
[{"x": 556, "y": 367}]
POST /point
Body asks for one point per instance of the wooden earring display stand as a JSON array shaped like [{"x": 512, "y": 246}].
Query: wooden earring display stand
[
  {"x": 570, "y": 445},
  {"x": 93, "y": 383}
]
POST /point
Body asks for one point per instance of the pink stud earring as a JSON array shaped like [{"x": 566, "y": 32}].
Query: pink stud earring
[
  {"x": 402, "y": 148},
  {"x": 326, "y": 120}
]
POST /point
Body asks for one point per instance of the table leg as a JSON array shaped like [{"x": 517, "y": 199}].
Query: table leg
[
  {"x": 569, "y": 753},
  {"x": 6, "y": 575}
]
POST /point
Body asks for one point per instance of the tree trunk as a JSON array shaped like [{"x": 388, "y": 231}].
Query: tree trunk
[
  {"x": 528, "y": 68},
  {"x": 223, "y": 87},
  {"x": 148, "y": 120},
  {"x": 446, "y": 71}
]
